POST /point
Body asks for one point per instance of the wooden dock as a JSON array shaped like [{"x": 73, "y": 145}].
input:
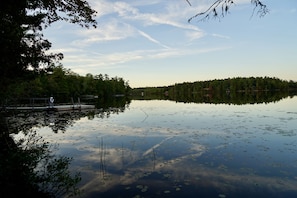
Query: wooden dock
[{"x": 52, "y": 108}]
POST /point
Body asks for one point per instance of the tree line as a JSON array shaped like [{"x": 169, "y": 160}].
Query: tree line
[
  {"x": 64, "y": 84},
  {"x": 239, "y": 90},
  {"x": 238, "y": 84}
]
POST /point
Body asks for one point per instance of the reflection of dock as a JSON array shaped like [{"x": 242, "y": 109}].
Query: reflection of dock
[
  {"x": 53, "y": 108},
  {"x": 45, "y": 104}
]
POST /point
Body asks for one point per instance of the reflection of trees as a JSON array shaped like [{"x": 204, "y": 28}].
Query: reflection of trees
[
  {"x": 60, "y": 121},
  {"x": 29, "y": 168},
  {"x": 57, "y": 121},
  {"x": 239, "y": 98},
  {"x": 228, "y": 91},
  {"x": 114, "y": 102},
  {"x": 233, "y": 98}
]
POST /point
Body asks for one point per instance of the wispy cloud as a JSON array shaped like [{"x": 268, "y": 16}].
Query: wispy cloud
[
  {"x": 220, "y": 36},
  {"x": 170, "y": 13},
  {"x": 126, "y": 20},
  {"x": 110, "y": 31},
  {"x": 86, "y": 63},
  {"x": 193, "y": 35},
  {"x": 152, "y": 39},
  {"x": 120, "y": 21}
]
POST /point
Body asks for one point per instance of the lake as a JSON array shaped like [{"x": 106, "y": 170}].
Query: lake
[{"x": 162, "y": 148}]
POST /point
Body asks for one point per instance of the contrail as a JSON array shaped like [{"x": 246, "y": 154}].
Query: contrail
[
  {"x": 152, "y": 39},
  {"x": 155, "y": 146}
]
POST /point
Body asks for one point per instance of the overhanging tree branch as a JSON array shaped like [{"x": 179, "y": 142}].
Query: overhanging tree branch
[
  {"x": 220, "y": 8},
  {"x": 262, "y": 8},
  {"x": 22, "y": 22}
]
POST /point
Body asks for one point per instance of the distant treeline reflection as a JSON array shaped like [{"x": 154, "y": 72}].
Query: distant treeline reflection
[{"x": 228, "y": 91}]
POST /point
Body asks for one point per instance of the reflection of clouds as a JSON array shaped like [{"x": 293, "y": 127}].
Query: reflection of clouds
[
  {"x": 138, "y": 164},
  {"x": 132, "y": 150},
  {"x": 90, "y": 129},
  {"x": 114, "y": 158},
  {"x": 155, "y": 146},
  {"x": 185, "y": 171},
  {"x": 129, "y": 166}
]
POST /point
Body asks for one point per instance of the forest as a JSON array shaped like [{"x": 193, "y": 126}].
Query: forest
[
  {"x": 64, "y": 84},
  {"x": 239, "y": 90}
]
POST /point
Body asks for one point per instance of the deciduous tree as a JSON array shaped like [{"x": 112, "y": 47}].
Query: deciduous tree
[{"x": 22, "y": 22}]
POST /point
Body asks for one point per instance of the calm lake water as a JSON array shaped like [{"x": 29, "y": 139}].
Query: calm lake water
[{"x": 160, "y": 148}]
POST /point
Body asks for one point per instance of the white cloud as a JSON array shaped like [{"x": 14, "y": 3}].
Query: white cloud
[
  {"x": 110, "y": 31},
  {"x": 220, "y": 36},
  {"x": 152, "y": 39},
  {"x": 65, "y": 50},
  {"x": 171, "y": 13},
  {"x": 125, "y": 24},
  {"x": 193, "y": 35},
  {"x": 127, "y": 21},
  {"x": 119, "y": 20},
  {"x": 83, "y": 64}
]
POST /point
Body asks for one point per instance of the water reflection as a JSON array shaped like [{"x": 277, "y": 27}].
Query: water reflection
[
  {"x": 14, "y": 122},
  {"x": 166, "y": 149},
  {"x": 33, "y": 165},
  {"x": 29, "y": 168},
  {"x": 235, "y": 98}
]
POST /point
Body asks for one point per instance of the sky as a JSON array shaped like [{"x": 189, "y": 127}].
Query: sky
[{"x": 151, "y": 43}]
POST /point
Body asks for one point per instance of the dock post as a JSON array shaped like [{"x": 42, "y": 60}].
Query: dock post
[
  {"x": 32, "y": 103},
  {"x": 72, "y": 102},
  {"x": 78, "y": 100}
]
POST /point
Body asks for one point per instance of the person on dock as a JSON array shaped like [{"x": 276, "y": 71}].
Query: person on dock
[{"x": 51, "y": 102}]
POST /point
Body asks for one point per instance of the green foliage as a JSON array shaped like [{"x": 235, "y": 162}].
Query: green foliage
[
  {"x": 28, "y": 168},
  {"x": 63, "y": 84},
  {"x": 56, "y": 178},
  {"x": 232, "y": 90},
  {"x": 23, "y": 47}
]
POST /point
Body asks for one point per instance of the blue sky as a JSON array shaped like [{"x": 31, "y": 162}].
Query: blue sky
[{"x": 150, "y": 43}]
